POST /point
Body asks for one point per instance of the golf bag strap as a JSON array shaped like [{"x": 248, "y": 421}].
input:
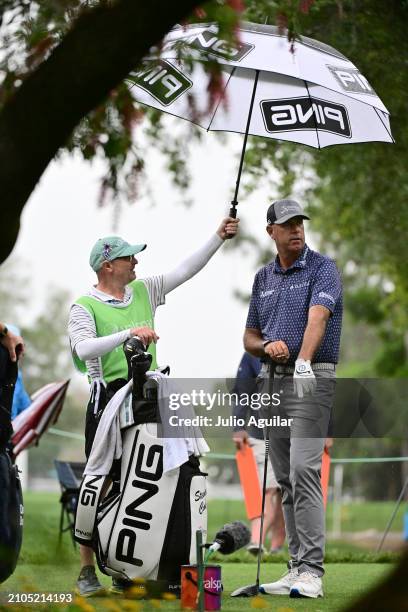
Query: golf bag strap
[{"x": 88, "y": 501}]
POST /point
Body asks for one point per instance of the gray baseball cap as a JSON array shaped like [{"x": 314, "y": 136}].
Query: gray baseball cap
[{"x": 283, "y": 210}]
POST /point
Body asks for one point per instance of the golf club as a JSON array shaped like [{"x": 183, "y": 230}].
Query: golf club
[{"x": 253, "y": 589}]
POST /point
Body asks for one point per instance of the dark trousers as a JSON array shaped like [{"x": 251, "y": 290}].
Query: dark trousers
[{"x": 95, "y": 408}]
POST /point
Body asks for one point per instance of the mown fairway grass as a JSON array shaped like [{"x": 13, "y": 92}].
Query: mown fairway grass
[
  {"x": 45, "y": 566},
  {"x": 342, "y": 583}
]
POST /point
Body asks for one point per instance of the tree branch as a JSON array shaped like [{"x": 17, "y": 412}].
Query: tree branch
[{"x": 104, "y": 45}]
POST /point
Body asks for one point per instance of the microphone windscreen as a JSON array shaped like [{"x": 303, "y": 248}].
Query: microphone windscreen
[{"x": 232, "y": 537}]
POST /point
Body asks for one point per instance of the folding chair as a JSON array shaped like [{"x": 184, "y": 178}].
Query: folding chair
[{"x": 69, "y": 475}]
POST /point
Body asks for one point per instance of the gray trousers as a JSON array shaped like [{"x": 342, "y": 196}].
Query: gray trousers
[{"x": 296, "y": 456}]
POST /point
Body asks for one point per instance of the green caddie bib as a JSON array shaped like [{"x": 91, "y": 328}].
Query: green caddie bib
[{"x": 109, "y": 320}]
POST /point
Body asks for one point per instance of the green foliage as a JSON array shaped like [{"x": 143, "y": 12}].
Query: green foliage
[
  {"x": 371, "y": 481},
  {"x": 365, "y": 304},
  {"x": 13, "y": 295},
  {"x": 356, "y": 195},
  {"x": 47, "y": 356},
  {"x": 31, "y": 31}
]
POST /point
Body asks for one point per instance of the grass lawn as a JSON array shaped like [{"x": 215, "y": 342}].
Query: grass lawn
[
  {"x": 45, "y": 566},
  {"x": 342, "y": 583}
]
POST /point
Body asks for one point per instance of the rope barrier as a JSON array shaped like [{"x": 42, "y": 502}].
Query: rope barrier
[
  {"x": 226, "y": 457},
  {"x": 333, "y": 460},
  {"x": 66, "y": 434}
]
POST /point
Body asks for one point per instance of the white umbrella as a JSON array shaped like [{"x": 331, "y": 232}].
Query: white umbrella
[{"x": 313, "y": 96}]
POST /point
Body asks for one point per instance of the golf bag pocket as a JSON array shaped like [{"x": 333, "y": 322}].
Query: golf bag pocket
[
  {"x": 88, "y": 500},
  {"x": 11, "y": 516},
  {"x": 146, "y": 530},
  {"x": 188, "y": 513},
  {"x": 198, "y": 511}
]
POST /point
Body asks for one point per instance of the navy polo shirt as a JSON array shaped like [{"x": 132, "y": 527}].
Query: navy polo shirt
[{"x": 281, "y": 300}]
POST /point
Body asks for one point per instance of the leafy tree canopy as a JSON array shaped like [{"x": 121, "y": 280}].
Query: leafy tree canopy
[
  {"x": 357, "y": 194},
  {"x": 62, "y": 70},
  {"x": 63, "y": 61}
]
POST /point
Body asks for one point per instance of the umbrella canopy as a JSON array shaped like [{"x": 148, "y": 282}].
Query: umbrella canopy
[
  {"x": 284, "y": 107},
  {"x": 264, "y": 47},
  {"x": 313, "y": 96}
]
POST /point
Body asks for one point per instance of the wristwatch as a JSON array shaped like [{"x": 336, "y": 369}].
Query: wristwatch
[{"x": 4, "y": 332}]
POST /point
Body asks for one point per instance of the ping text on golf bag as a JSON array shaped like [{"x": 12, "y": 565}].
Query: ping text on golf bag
[{"x": 145, "y": 526}]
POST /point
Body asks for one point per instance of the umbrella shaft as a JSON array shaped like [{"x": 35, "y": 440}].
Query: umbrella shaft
[{"x": 233, "y": 212}]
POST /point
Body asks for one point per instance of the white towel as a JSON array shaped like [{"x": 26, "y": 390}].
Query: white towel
[
  {"x": 107, "y": 444},
  {"x": 184, "y": 441}
]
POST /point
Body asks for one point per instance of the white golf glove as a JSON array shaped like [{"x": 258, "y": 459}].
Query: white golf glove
[{"x": 304, "y": 380}]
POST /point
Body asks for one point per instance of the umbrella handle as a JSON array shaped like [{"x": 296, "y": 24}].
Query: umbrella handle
[
  {"x": 233, "y": 210},
  {"x": 232, "y": 213}
]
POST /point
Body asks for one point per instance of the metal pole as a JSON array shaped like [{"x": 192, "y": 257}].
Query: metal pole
[
  {"x": 266, "y": 458},
  {"x": 234, "y": 203},
  {"x": 392, "y": 517},
  {"x": 200, "y": 571}
]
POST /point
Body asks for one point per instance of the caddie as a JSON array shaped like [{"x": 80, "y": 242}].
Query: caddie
[
  {"x": 115, "y": 309},
  {"x": 294, "y": 318}
]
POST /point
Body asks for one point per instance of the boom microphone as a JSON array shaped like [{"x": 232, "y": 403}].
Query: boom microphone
[{"x": 231, "y": 537}]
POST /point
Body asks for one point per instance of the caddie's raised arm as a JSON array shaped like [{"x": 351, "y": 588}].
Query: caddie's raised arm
[
  {"x": 113, "y": 260},
  {"x": 196, "y": 262}
]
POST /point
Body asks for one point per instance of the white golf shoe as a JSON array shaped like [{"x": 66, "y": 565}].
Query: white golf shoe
[
  {"x": 281, "y": 586},
  {"x": 307, "y": 584}
]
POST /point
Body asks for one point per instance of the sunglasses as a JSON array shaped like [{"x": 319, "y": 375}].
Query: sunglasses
[{"x": 127, "y": 258}]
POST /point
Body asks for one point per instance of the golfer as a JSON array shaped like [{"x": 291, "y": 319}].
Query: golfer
[
  {"x": 295, "y": 318},
  {"x": 115, "y": 309}
]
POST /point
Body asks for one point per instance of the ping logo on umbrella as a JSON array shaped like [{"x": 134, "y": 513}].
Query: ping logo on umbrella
[
  {"x": 210, "y": 43},
  {"x": 305, "y": 114},
  {"x": 351, "y": 80},
  {"x": 162, "y": 81}
]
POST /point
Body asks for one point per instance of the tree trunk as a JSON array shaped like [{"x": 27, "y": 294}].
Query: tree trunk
[{"x": 104, "y": 45}]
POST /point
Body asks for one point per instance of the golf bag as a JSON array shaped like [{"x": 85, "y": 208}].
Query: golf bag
[
  {"x": 11, "y": 500},
  {"x": 145, "y": 527}
]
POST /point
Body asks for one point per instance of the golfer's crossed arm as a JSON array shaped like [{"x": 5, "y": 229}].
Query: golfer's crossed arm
[{"x": 278, "y": 351}]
